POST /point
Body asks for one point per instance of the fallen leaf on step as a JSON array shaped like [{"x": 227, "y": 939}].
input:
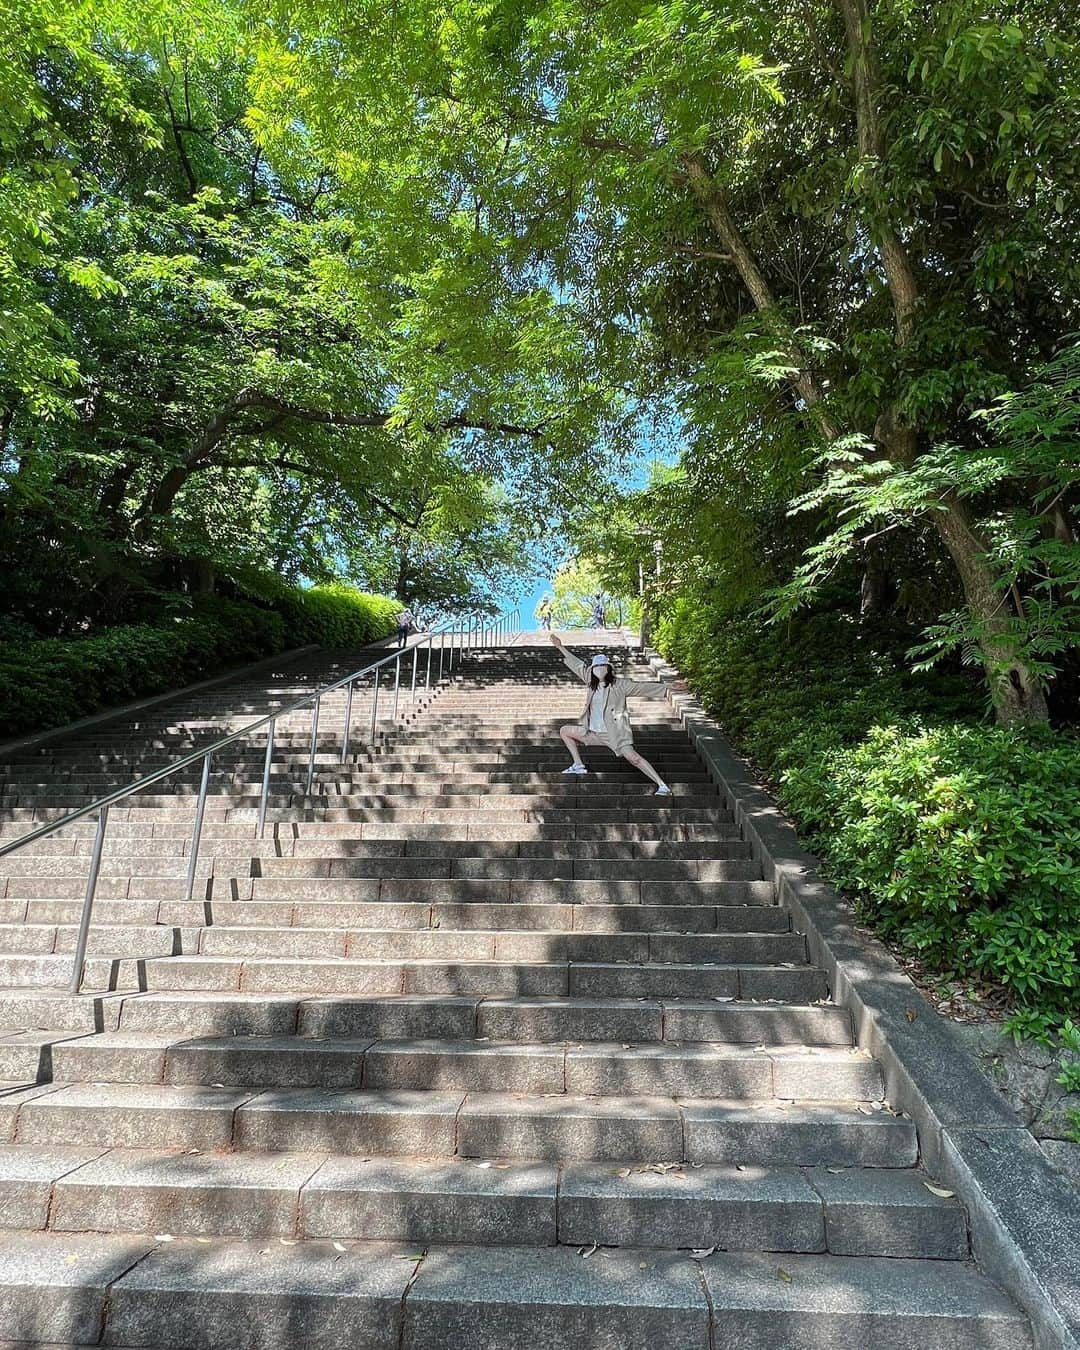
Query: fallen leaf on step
[
  {"x": 621, "y": 1172},
  {"x": 910, "y": 1014},
  {"x": 194, "y": 1150},
  {"x": 783, "y": 1274},
  {"x": 588, "y": 1251},
  {"x": 288, "y": 1242},
  {"x": 339, "y": 1247},
  {"x": 70, "y": 1260},
  {"x": 702, "y": 1252},
  {"x": 939, "y": 1190},
  {"x": 163, "y": 1237},
  {"x": 483, "y": 1164},
  {"x": 204, "y": 1242},
  {"x": 740, "y": 1167},
  {"x": 835, "y": 1170}
]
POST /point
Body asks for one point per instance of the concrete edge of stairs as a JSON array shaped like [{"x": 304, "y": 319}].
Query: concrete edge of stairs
[
  {"x": 35, "y": 739},
  {"x": 1025, "y": 1220}
]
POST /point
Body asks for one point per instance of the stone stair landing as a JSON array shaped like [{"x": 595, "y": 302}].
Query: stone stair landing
[{"x": 462, "y": 1053}]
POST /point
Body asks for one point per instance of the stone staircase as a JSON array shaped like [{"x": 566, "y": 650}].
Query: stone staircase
[{"x": 462, "y": 1053}]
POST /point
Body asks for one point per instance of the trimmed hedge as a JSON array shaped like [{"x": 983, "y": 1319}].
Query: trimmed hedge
[
  {"x": 46, "y": 682},
  {"x": 957, "y": 840},
  {"x": 336, "y": 616}
]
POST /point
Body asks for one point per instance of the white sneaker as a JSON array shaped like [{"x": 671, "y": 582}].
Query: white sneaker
[
  {"x": 576, "y": 769},
  {"x": 662, "y": 792}
]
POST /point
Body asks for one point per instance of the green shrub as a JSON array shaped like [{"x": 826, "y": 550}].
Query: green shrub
[
  {"x": 957, "y": 840},
  {"x": 336, "y": 616},
  {"x": 45, "y": 682}
]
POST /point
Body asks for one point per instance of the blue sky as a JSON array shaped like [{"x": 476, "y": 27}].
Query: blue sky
[{"x": 534, "y": 588}]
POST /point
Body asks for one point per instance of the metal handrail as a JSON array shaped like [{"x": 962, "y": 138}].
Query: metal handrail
[{"x": 473, "y": 632}]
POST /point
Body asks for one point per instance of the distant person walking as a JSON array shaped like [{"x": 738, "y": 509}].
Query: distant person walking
[
  {"x": 598, "y": 617},
  {"x": 544, "y": 612},
  {"x": 604, "y": 719},
  {"x": 405, "y": 623}
]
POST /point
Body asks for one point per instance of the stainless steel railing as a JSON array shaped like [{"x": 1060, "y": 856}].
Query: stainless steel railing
[{"x": 472, "y": 632}]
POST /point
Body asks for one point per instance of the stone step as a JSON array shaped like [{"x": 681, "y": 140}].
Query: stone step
[
  {"x": 313, "y": 866},
  {"x": 285, "y": 832},
  {"x": 116, "y": 1290},
  {"x": 397, "y": 890},
  {"x": 406, "y": 943},
  {"x": 682, "y": 859},
  {"x": 848, "y": 1211},
  {"x": 401, "y": 1016},
  {"x": 474, "y": 1124},
  {"x": 221, "y": 806},
  {"x": 799, "y": 983},
  {"x": 509, "y": 917},
  {"x": 591, "y": 1069},
  {"x": 468, "y": 890},
  {"x": 669, "y": 811},
  {"x": 456, "y": 1017}
]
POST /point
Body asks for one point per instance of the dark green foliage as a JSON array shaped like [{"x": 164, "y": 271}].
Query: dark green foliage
[
  {"x": 958, "y": 840},
  {"x": 46, "y": 682}
]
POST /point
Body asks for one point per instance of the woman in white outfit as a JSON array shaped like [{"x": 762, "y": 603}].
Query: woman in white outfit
[{"x": 605, "y": 719}]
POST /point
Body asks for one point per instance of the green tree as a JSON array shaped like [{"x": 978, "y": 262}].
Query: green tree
[
  {"x": 238, "y": 393},
  {"x": 826, "y": 235}
]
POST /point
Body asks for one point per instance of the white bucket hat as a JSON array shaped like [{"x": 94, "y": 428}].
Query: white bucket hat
[{"x": 599, "y": 660}]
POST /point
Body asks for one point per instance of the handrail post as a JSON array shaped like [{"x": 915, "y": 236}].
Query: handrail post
[
  {"x": 264, "y": 796},
  {"x": 88, "y": 901},
  {"x": 375, "y": 705},
  {"x": 412, "y": 686},
  {"x": 348, "y": 720},
  {"x": 196, "y": 829},
  {"x": 313, "y": 746},
  {"x": 427, "y": 677},
  {"x": 442, "y": 654},
  {"x": 397, "y": 686}
]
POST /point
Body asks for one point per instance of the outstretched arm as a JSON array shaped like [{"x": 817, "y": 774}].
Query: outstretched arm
[
  {"x": 652, "y": 688},
  {"x": 580, "y": 669}
]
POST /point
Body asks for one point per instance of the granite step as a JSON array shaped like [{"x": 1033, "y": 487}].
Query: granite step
[
  {"x": 593, "y": 1068},
  {"x": 847, "y": 1211},
  {"x": 474, "y": 1124},
  {"x": 796, "y": 983},
  {"x": 117, "y": 1290}
]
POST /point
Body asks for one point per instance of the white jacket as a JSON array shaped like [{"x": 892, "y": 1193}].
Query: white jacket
[{"x": 616, "y": 714}]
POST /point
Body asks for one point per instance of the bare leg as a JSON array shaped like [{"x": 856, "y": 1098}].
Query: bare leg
[
  {"x": 572, "y": 738},
  {"x": 639, "y": 762}
]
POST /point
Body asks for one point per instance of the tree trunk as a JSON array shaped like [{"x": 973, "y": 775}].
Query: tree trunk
[
  {"x": 874, "y": 589},
  {"x": 1015, "y": 692},
  {"x": 1017, "y": 696}
]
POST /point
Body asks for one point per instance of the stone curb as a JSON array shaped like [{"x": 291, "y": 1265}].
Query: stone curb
[{"x": 1025, "y": 1226}]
